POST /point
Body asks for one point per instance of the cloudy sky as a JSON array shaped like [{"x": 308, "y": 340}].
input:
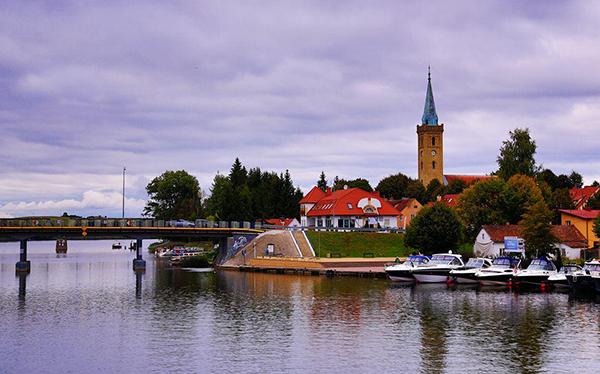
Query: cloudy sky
[{"x": 90, "y": 86}]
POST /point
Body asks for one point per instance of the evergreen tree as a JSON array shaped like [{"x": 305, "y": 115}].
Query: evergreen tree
[
  {"x": 434, "y": 229},
  {"x": 576, "y": 179},
  {"x": 362, "y": 183},
  {"x": 537, "y": 230},
  {"x": 322, "y": 182},
  {"x": 517, "y": 155}
]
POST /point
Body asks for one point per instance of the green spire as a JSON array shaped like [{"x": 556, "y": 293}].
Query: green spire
[{"x": 429, "y": 115}]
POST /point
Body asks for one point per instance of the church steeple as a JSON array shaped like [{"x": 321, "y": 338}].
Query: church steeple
[{"x": 429, "y": 115}]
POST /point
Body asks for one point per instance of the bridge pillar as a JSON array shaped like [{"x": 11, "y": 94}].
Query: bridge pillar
[
  {"x": 23, "y": 265},
  {"x": 139, "y": 264}
]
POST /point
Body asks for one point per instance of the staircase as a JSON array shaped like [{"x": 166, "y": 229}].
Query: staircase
[{"x": 303, "y": 244}]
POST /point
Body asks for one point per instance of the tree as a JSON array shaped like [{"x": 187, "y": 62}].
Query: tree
[
  {"x": 519, "y": 194},
  {"x": 561, "y": 199},
  {"x": 322, "y": 182},
  {"x": 434, "y": 189},
  {"x": 416, "y": 190},
  {"x": 434, "y": 229},
  {"x": 576, "y": 179},
  {"x": 596, "y": 227},
  {"x": 517, "y": 155},
  {"x": 537, "y": 230},
  {"x": 456, "y": 186},
  {"x": 594, "y": 201},
  {"x": 394, "y": 186},
  {"x": 482, "y": 204},
  {"x": 174, "y": 195},
  {"x": 362, "y": 183}
]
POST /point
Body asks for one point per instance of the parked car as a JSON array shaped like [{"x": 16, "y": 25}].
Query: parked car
[{"x": 181, "y": 223}]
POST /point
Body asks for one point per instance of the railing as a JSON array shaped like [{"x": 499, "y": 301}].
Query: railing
[{"x": 151, "y": 222}]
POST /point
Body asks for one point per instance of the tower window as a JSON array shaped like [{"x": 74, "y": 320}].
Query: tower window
[
  {"x": 433, "y": 140},
  {"x": 421, "y": 165},
  {"x": 433, "y": 164}
]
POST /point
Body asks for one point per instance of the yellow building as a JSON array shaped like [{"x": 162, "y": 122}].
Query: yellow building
[
  {"x": 408, "y": 208},
  {"x": 583, "y": 220},
  {"x": 430, "y": 142}
]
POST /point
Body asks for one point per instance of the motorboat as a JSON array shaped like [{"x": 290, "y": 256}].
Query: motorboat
[
  {"x": 500, "y": 273},
  {"x": 559, "y": 280},
  {"x": 581, "y": 280},
  {"x": 466, "y": 274},
  {"x": 117, "y": 245},
  {"x": 402, "y": 272},
  {"x": 438, "y": 268},
  {"x": 537, "y": 272}
]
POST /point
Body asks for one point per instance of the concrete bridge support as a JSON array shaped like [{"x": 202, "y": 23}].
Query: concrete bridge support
[
  {"x": 23, "y": 265},
  {"x": 139, "y": 264}
]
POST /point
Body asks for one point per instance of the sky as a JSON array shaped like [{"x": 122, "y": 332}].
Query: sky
[{"x": 88, "y": 87}]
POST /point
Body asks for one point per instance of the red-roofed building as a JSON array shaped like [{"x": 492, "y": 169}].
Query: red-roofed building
[
  {"x": 584, "y": 221},
  {"x": 408, "y": 208},
  {"x": 467, "y": 179},
  {"x": 490, "y": 240},
  {"x": 348, "y": 208},
  {"x": 283, "y": 222},
  {"x": 581, "y": 196}
]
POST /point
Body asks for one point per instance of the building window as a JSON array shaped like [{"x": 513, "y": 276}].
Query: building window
[
  {"x": 421, "y": 153},
  {"x": 568, "y": 222},
  {"x": 433, "y": 140},
  {"x": 433, "y": 164},
  {"x": 421, "y": 165}
]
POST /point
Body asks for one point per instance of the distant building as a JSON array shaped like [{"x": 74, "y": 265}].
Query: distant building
[
  {"x": 347, "y": 208},
  {"x": 584, "y": 221},
  {"x": 490, "y": 240},
  {"x": 408, "y": 208},
  {"x": 581, "y": 196},
  {"x": 283, "y": 222}
]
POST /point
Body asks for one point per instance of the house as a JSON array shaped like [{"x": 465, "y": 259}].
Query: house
[
  {"x": 347, "y": 208},
  {"x": 490, "y": 240},
  {"x": 283, "y": 222},
  {"x": 584, "y": 221},
  {"x": 408, "y": 208},
  {"x": 581, "y": 196}
]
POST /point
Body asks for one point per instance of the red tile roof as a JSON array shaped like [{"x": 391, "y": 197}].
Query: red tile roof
[
  {"x": 566, "y": 234},
  {"x": 450, "y": 199},
  {"x": 278, "y": 221},
  {"x": 400, "y": 204},
  {"x": 581, "y": 213},
  {"x": 580, "y": 196},
  {"x": 313, "y": 196},
  {"x": 344, "y": 203},
  {"x": 468, "y": 179}
]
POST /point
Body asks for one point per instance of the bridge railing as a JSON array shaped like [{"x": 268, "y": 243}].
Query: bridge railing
[{"x": 119, "y": 222}]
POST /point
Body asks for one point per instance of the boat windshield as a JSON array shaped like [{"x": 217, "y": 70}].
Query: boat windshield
[
  {"x": 444, "y": 260},
  {"x": 592, "y": 267},
  {"x": 505, "y": 262},
  {"x": 541, "y": 264},
  {"x": 417, "y": 260},
  {"x": 568, "y": 269},
  {"x": 474, "y": 263}
]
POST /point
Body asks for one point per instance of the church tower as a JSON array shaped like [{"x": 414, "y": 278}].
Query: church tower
[{"x": 430, "y": 142}]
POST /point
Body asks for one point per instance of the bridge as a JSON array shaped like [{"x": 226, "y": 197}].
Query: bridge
[{"x": 34, "y": 229}]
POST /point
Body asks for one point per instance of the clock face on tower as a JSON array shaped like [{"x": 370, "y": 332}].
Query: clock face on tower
[{"x": 433, "y": 152}]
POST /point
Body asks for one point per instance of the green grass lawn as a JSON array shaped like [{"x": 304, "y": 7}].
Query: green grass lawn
[{"x": 356, "y": 244}]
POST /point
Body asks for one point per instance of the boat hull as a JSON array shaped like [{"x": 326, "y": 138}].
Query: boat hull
[
  {"x": 533, "y": 279},
  {"x": 580, "y": 283},
  {"x": 431, "y": 276},
  {"x": 497, "y": 279},
  {"x": 400, "y": 275}
]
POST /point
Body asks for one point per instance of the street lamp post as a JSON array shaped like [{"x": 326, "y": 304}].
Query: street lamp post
[{"x": 123, "y": 212}]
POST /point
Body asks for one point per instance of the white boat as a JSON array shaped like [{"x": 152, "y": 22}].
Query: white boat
[
  {"x": 438, "y": 268},
  {"x": 402, "y": 272},
  {"x": 559, "y": 280},
  {"x": 536, "y": 273},
  {"x": 466, "y": 274},
  {"x": 581, "y": 280},
  {"x": 117, "y": 245},
  {"x": 500, "y": 273}
]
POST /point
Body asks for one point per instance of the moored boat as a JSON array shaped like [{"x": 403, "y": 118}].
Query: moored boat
[
  {"x": 466, "y": 274},
  {"x": 559, "y": 280},
  {"x": 581, "y": 280},
  {"x": 438, "y": 268},
  {"x": 500, "y": 273},
  {"x": 117, "y": 245},
  {"x": 402, "y": 272},
  {"x": 537, "y": 272}
]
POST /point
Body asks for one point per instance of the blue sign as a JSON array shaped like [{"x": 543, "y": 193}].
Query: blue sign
[{"x": 513, "y": 244}]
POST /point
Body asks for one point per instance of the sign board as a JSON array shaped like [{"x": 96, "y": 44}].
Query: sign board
[{"x": 514, "y": 244}]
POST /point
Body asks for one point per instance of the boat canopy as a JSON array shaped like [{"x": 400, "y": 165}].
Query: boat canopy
[
  {"x": 476, "y": 262},
  {"x": 445, "y": 259},
  {"x": 418, "y": 259},
  {"x": 541, "y": 263}
]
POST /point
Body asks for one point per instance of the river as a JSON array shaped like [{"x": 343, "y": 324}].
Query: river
[{"x": 87, "y": 312}]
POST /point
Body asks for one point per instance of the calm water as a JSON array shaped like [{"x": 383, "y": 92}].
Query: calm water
[{"x": 87, "y": 312}]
